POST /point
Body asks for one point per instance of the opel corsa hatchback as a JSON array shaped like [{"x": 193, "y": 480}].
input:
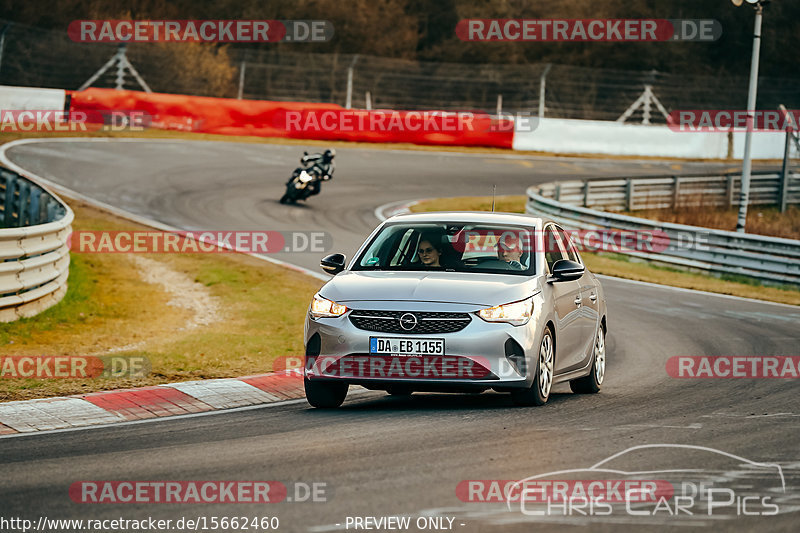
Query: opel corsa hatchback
[{"x": 457, "y": 302}]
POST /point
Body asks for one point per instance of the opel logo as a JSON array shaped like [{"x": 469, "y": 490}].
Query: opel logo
[{"x": 408, "y": 321}]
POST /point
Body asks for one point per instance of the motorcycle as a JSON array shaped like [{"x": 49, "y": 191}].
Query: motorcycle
[{"x": 305, "y": 180}]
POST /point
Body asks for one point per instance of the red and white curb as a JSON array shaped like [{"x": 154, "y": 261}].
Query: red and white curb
[{"x": 126, "y": 405}]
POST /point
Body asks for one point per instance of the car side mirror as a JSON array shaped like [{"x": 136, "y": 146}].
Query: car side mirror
[
  {"x": 566, "y": 270},
  {"x": 333, "y": 264}
]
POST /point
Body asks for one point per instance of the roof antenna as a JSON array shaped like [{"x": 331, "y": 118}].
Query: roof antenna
[{"x": 494, "y": 189}]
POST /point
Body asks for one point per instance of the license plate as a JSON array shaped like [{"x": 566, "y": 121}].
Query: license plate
[{"x": 401, "y": 346}]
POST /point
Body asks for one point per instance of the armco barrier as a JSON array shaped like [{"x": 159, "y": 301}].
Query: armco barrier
[
  {"x": 627, "y": 194},
  {"x": 228, "y": 116},
  {"x": 34, "y": 251},
  {"x": 709, "y": 250}
]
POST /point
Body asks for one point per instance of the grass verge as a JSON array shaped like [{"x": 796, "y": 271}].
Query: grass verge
[
  {"x": 622, "y": 266},
  {"x": 761, "y": 220},
  {"x": 260, "y": 313}
]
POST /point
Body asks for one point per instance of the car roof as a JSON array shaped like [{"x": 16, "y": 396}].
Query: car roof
[{"x": 482, "y": 217}]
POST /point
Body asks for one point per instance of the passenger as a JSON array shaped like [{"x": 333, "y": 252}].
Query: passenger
[{"x": 510, "y": 251}]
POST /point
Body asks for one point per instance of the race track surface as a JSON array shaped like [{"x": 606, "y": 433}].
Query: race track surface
[{"x": 381, "y": 455}]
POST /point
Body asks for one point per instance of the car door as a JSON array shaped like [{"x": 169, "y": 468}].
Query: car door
[
  {"x": 566, "y": 298},
  {"x": 589, "y": 315}
]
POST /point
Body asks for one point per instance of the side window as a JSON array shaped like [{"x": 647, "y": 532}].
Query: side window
[
  {"x": 572, "y": 253},
  {"x": 553, "y": 247}
]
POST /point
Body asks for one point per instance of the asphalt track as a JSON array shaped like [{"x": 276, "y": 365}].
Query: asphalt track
[{"x": 383, "y": 455}]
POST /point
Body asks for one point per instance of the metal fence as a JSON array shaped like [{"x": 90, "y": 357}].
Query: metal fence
[
  {"x": 628, "y": 194},
  {"x": 34, "y": 250},
  {"x": 713, "y": 251},
  {"x": 44, "y": 58}
]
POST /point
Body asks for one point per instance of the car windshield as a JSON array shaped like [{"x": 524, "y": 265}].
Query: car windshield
[{"x": 451, "y": 247}]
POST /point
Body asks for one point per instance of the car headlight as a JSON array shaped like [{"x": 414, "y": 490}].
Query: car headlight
[
  {"x": 324, "y": 308},
  {"x": 516, "y": 313}
]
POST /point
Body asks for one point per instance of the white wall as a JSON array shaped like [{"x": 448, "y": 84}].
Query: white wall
[
  {"x": 31, "y": 98},
  {"x": 614, "y": 138}
]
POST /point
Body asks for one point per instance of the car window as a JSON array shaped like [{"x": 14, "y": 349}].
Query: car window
[
  {"x": 459, "y": 247},
  {"x": 572, "y": 253},
  {"x": 553, "y": 247}
]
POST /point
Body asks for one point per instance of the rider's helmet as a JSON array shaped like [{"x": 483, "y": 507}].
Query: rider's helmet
[{"x": 328, "y": 156}]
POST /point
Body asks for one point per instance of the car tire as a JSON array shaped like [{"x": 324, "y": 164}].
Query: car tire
[
  {"x": 539, "y": 391},
  {"x": 325, "y": 394},
  {"x": 592, "y": 383}
]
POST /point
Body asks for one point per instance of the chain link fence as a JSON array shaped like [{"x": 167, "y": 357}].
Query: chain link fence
[{"x": 45, "y": 58}]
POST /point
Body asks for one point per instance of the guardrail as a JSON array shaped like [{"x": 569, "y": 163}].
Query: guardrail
[
  {"x": 34, "y": 252},
  {"x": 712, "y": 251},
  {"x": 628, "y": 194}
]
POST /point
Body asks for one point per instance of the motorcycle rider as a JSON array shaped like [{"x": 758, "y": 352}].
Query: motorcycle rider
[{"x": 319, "y": 165}]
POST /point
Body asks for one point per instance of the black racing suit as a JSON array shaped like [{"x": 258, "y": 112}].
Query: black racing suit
[{"x": 320, "y": 168}]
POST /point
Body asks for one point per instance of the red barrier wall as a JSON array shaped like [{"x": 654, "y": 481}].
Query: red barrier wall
[{"x": 299, "y": 120}]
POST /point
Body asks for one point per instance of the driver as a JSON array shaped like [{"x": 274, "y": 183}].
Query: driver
[{"x": 509, "y": 250}]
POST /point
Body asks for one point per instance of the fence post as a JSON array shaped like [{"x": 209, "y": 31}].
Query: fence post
[
  {"x": 542, "y": 88},
  {"x": 368, "y": 101},
  {"x": 242, "y": 67},
  {"x": 784, "y": 188},
  {"x": 3, "y": 40},
  {"x": 676, "y": 191},
  {"x": 729, "y": 190},
  {"x": 557, "y": 194},
  {"x": 349, "y": 97},
  {"x": 499, "y": 104},
  {"x": 586, "y": 193},
  {"x": 628, "y": 194}
]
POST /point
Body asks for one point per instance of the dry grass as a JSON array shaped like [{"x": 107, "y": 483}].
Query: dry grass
[
  {"x": 761, "y": 220},
  {"x": 108, "y": 305},
  {"x": 620, "y": 266}
]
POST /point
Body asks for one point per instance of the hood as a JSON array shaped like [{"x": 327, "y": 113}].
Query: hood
[{"x": 447, "y": 287}]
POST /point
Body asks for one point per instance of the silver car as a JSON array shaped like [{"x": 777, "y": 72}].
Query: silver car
[{"x": 457, "y": 302}]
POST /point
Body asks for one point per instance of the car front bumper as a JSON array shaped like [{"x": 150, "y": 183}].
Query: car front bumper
[{"x": 482, "y": 355}]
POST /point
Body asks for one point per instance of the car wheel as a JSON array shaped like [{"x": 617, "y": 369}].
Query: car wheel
[
  {"x": 591, "y": 384},
  {"x": 325, "y": 394},
  {"x": 539, "y": 391}
]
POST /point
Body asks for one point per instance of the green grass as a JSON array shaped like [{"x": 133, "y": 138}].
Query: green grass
[{"x": 262, "y": 309}]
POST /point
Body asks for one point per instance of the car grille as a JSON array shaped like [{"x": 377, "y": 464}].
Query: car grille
[{"x": 427, "y": 322}]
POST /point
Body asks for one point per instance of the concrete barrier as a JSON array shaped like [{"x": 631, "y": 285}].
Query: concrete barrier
[{"x": 568, "y": 136}]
